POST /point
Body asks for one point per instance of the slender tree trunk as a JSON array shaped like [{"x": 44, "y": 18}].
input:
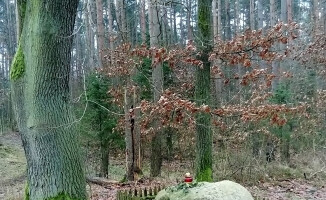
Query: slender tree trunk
[
  {"x": 143, "y": 21},
  {"x": 104, "y": 157},
  {"x": 128, "y": 107},
  {"x": 260, "y": 14},
  {"x": 315, "y": 18},
  {"x": 215, "y": 23},
  {"x": 175, "y": 35},
  {"x": 202, "y": 94},
  {"x": 252, "y": 14},
  {"x": 189, "y": 27},
  {"x": 227, "y": 20},
  {"x": 275, "y": 64},
  {"x": 40, "y": 80},
  {"x": 110, "y": 27},
  {"x": 157, "y": 77},
  {"x": 100, "y": 48},
  {"x": 137, "y": 158},
  {"x": 90, "y": 34},
  {"x": 182, "y": 28},
  {"x": 219, "y": 18},
  {"x": 100, "y": 31},
  {"x": 237, "y": 17},
  {"x": 218, "y": 34},
  {"x": 285, "y": 140},
  {"x": 124, "y": 29},
  {"x": 289, "y": 10}
]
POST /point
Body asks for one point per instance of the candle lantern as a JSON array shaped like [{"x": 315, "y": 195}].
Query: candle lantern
[{"x": 188, "y": 178}]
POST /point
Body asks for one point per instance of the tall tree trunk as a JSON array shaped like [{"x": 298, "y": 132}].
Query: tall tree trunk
[
  {"x": 124, "y": 29},
  {"x": 237, "y": 17},
  {"x": 100, "y": 31},
  {"x": 40, "y": 86},
  {"x": 289, "y": 9},
  {"x": 202, "y": 95},
  {"x": 128, "y": 107},
  {"x": 260, "y": 14},
  {"x": 219, "y": 18},
  {"x": 315, "y": 18},
  {"x": 182, "y": 28},
  {"x": 218, "y": 80},
  {"x": 215, "y": 24},
  {"x": 189, "y": 27},
  {"x": 110, "y": 26},
  {"x": 143, "y": 21},
  {"x": 90, "y": 34},
  {"x": 157, "y": 77},
  {"x": 137, "y": 158},
  {"x": 284, "y": 11},
  {"x": 227, "y": 20},
  {"x": 100, "y": 47},
  {"x": 275, "y": 64},
  {"x": 252, "y": 14},
  {"x": 285, "y": 139},
  {"x": 175, "y": 35}
]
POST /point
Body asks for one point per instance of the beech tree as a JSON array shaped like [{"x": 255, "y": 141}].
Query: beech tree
[{"x": 40, "y": 87}]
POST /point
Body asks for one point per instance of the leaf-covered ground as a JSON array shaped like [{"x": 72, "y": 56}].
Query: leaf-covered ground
[{"x": 13, "y": 167}]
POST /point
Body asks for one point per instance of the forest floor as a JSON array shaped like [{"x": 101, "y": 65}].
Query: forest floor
[{"x": 13, "y": 167}]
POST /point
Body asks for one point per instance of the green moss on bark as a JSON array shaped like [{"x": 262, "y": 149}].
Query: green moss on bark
[
  {"x": 205, "y": 175},
  {"x": 26, "y": 192},
  {"x": 18, "y": 66},
  {"x": 202, "y": 95},
  {"x": 61, "y": 196}
]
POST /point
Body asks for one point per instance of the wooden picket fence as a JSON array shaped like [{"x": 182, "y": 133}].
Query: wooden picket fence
[{"x": 139, "y": 193}]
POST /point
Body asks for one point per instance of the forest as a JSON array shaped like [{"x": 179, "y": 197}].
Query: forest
[{"x": 119, "y": 99}]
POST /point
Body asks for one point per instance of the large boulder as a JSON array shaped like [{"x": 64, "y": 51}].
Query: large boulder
[{"x": 223, "y": 190}]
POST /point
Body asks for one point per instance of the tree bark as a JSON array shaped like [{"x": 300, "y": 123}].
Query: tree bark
[
  {"x": 128, "y": 107},
  {"x": 252, "y": 14},
  {"x": 90, "y": 34},
  {"x": 110, "y": 27},
  {"x": 100, "y": 32},
  {"x": 289, "y": 9},
  {"x": 40, "y": 86},
  {"x": 215, "y": 24},
  {"x": 124, "y": 29},
  {"x": 157, "y": 77},
  {"x": 202, "y": 95},
  {"x": 260, "y": 14},
  {"x": 227, "y": 20},
  {"x": 275, "y": 64},
  {"x": 189, "y": 27},
  {"x": 315, "y": 18},
  {"x": 143, "y": 20}
]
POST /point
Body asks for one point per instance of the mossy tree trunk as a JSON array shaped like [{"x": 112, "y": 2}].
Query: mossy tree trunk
[
  {"x": 40, "y": 94},
  {"x": 202, "y": 94}
]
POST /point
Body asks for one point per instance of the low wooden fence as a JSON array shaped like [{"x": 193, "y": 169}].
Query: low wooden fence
[{"x": 139, "y": 193}]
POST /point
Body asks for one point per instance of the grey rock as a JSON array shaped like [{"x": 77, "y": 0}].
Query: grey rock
[{"x": 223, "y": 190}]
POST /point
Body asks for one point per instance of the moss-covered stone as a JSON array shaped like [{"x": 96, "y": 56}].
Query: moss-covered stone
[
  {"x": 224, "y": 190},
  {"x": 18, "y": 66}
]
